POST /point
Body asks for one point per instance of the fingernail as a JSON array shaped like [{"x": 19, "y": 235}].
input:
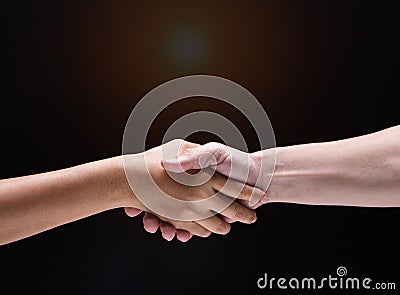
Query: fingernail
[
  {"x": 255, "y": 219},
  {"x": 264, "y": 199},
  {"x": 169, "y": 239}
]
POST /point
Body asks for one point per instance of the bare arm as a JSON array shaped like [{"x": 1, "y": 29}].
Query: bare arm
[
  {"x": 32, "y": 204},
  {"x": 360, "y": 171}
]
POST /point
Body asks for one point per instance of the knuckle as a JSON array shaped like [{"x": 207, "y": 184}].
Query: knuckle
[
  {"x": 179, "y": 224},
  {"x": 216, "y": 148},
  {"x": 238, "y": 212},
  {"x": 183, "y": 144},
  {"x": 246, "y": 192},
  {"x": 190, "y": 228},
  {"x": 178, "y": 140},
  {"x": 213, "y": 144},
  {"x": 187, "y": 152},
  {"x": 187, "y": 144}
]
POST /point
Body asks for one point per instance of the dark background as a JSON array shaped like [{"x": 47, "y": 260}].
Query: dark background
[{"x": 73, "y": 71}]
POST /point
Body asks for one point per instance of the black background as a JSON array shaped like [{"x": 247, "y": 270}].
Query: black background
[{"x": 73, "y": 71}]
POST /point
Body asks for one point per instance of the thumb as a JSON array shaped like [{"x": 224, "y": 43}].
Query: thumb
[
  {"x": 180, "y": 164},
  {"x": 193, "y": 158}
]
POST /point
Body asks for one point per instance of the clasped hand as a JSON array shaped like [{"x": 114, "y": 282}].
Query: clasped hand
[{"x": 193, "y": 157}]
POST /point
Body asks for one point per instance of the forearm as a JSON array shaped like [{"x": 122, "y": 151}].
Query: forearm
[
  {"x": 361, "y": 171},
  {"x": 32, "y": 204}
]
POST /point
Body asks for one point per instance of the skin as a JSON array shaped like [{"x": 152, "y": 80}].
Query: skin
[
  {"x": 361, "y": 171},
  {"x": 32, "y": 204}
]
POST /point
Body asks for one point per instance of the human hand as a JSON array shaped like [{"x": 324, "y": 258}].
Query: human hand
[
  {"x": 216, "y": 224},
  {"x": 228, "y": 161}
]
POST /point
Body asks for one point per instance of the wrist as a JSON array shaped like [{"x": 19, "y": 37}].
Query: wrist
[
  {"x": 305, "y": 173},
  {"x": 261, "y": 168},
  {"x": 121, "y": 193}
]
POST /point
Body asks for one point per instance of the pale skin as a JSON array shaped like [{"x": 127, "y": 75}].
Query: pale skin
[
  {"x": 361, "y": 171},
  {"x": 32, "y": 204}
]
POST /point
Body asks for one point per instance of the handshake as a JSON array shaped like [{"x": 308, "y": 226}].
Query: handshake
[
  {"x": 360, "y": 171},
  {"x": 235, "y": 199}
]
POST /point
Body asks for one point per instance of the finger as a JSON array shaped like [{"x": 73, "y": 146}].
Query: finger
[
  {"x": 192, "y": 227},
  {"x": 238, "y": 212},
  {"x": 150, "y": 222},
  {"x": 204, "y": 156},
  {"x": 167, "y": 231},
  {"x": 183, "y": 235},
  {"x": 236, "y": 189},
  {"x": 227, "y": 219},
  {"x": 215, "y": 225},
  {"x": 264, "y": 199},
  {"x": 132, "y": 212},
  {"x": 246, "y": 204}
]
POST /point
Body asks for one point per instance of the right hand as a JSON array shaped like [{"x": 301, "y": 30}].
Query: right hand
[
  {"x": 217, "y": 224},
  {"x": 220, "y": 157}
]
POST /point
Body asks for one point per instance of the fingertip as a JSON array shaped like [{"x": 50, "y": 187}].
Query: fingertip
[
  {"x": 167, "y": 237},
  {"x": 183, "y": 235},
  {"x": 150, "y": 229},
  {"x": 150, "y": 223},
  {"x": 167, "y": 231},
  {"x": 132, "y": 212},
  {"x": 227, "y": 229}
]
